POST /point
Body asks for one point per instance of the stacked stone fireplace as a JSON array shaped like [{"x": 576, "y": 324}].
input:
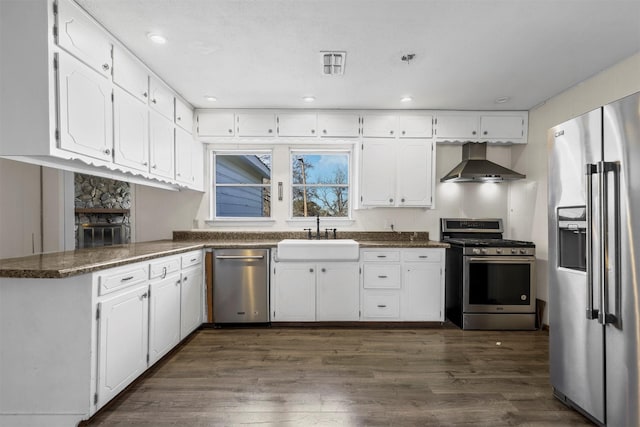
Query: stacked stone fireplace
[{"x": 102, "y": 211}]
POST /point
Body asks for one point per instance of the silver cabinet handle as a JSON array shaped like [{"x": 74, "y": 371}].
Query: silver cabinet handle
[
  {"x": 403, "y": 132},
  {"x": 178, "y": 282},
  {"x": 194, "y": 259},
  {"x": 179, "y": 118},
  {"x": 126, "y": 279},
  {"x": 184, "y": 279},
  {"x": 154, "y": 101},
  {"x": 390, "y": 200},
  {"x": 402, "y": 200},
  {"x": 154, "y": 167},
  {"x": 423, "y": 256},
  {"x": 105, "y": 67},
  {"x": 390, "y": 132},
  {"x": 164, "y": 272},
  {"x": 485, "y": 133},
  {"x": 324, "y": 131},
  {"x": 382, "y": 256},
  {"x": 382, "y": 277},
  {"x": 145, "y": 164},
  {"x": 382, "y": 306},
  {"x": 239, "y": 256},
  {"x": 143, "y": 296},
  {"x": 270, "y": 130}
]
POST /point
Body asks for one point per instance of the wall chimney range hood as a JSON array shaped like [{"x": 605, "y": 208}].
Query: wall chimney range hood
[{"x": 475, "y": 167}]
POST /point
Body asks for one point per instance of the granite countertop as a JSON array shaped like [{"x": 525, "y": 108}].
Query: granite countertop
[{"x": 64, "y": 264}]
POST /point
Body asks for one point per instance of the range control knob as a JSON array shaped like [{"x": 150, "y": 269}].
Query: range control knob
[
  {"x": 483, "y": 250},
  {"x": 514, "y": 251},
  {"x": 523, "y": 251},
  {"x": 498, "y": 251},
  {"x": 476, "y": 250}
]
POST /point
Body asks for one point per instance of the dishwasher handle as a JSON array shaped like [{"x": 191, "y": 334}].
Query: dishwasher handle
[{"x": 239, "y": 256}]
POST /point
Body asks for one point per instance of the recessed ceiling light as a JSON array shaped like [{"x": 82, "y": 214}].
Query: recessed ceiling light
[
  {"x": 211, "y": 98},
  {"x": 157, "y": 38},
  {"x": 406, "y": 99},
  {"x": 308, "y": 98},
  {"x": 502, "y": 100}
]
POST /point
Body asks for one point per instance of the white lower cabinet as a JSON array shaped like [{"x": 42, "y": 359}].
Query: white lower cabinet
[
  {"x": 90, "y": 335},
  {"x": 337, "y": 294},
  {"x": 123, "y": 341},
  {"x": 190, "y": 300},
  {"x": 403, "y": 284},
  {"x": 307, "y": 292},
  {"x": 164, "y": 316}
]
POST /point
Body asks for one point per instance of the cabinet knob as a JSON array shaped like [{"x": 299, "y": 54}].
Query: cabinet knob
[
  {"x": 178, "y": 282},
  {"x": 185, "y": 278},
  {"x": 270, "y": 131},
  {"x": 179, "y": 118},
  {"x": 105, "y": 67},
  {"x": 485, "y": 132},
  {"x": 145, "y": 94},
  {"x": 154, "y": 101},
  {"x": 313, "y": 131},
  {"x": 178, "y": 174},
  {"x": 145, "y": 164},
  {"x": 230, "y": 130},
  {"x": 154, "y": 167},
  {"x": 404, "y": 132},
  {"x": 390, "y": 200},
  {"x": 107, "y": 151},
  {"x": 473, "y": 132},
  {"x": 402, "y": 200},
  {"x": 390, "y": 132},
  {"x": 311, "y": 270},
  {"x": 324, "y": 131},
  {"x": 143, "y": 296},
  {"x": 324, "y": 270}
]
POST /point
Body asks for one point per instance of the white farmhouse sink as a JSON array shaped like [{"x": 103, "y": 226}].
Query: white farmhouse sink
[{"x": 318, "y": 250}]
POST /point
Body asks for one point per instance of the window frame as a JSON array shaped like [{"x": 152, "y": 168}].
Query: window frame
[
  {"x": 213, "y": 185},
  {"x": 350, "y": 183}
]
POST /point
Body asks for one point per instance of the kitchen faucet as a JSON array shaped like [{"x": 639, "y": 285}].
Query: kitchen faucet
[{"x": 318, "y": 236}]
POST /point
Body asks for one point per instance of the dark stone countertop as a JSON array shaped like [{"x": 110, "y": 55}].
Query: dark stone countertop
[{"x": 70, "y": 263}]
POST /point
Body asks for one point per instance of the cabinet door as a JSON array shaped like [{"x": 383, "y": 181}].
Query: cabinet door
[
  {"x": 86, "y": 120},
  {"x": 161, "y": 146},
  {"x": 294, "y": 292},
  {"x": 123, "y": 341},
  {"x": 161, "y": 98},
  {"x": 197, "y": 166},
  {"x": 380, "y": 125},
  {"x": 416, "y": 126},
  {"x": 164, "y": 316},
  {"x": 504, "y": 128},
  {"x": 339, "y": 125},
  {"x": 184, "y": 116},
  {"x": 79, "y": 35},
  {"x": 129, "y": 74},
  {"x": 297, "y": 124},
  {"x": 337, "y": 292},
  {"x": 131, "y": 131},
  {"x": 191, "y": 300},
  {"x": 422, "y": 292},
  {"x": 457, "y": 127},
  {"x": 184, "y": 147},
  {"x": 415, "y": 174},
  {"x": 213, "y": 123},
  {"x": 378, "y": 174},
  {"x": 256, "y": 124}
]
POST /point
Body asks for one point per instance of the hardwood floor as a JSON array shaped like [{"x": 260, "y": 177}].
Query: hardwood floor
[{"x": 347, "y": 377}]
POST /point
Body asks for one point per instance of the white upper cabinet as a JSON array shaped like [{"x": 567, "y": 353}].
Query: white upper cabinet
[
  {"x": 79, "y": 35},
  {"x": 339, "y": 125},
  {"x": 379, "y": 125},
  {"x": 216, "y": 123},
  {"x": 297, "y": 124},
  {"x": 416, "y": 126},
  {"x": 457, "y": 126},
  {"x": 414, "y": 172},
  {"x": 161, "y": 98},
  {"x": 502, "y": 127},
  {"x": 184, "y": 116},
  {"x": 85, "y": 106},
  {"x": 256, "y": 124},
  {"x": 488, "y": 126},
  {"x": 184, "y": 157},
  {"x": 378, "y": 173},
  {"x": 161, "y": 146},
  {"x": 129, "y": 74},
  {"x": 131, "y": 131}
]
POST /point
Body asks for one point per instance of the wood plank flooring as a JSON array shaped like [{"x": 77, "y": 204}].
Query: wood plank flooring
[{"x": 347, "y": 377}]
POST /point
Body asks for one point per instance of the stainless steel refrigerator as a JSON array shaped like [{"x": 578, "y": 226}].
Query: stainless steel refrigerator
[{"x": 594, "y": 262}]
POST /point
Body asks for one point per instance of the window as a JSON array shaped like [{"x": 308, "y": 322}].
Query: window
[
  {"x": 242, "y": 185},
  {"x": 320, "y": 184}
]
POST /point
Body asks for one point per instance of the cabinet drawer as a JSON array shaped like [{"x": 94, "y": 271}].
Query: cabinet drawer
[
  {"x": 381, "y": 305},
  {"x": 381, "y": 276},
  {"x": 119, "y": 278},
  {"x": 191, "y": 258},
  {"x": 423, "y": 255},
  {"x": 382, "y": 256},
  {"x": 164, "y": 266}
]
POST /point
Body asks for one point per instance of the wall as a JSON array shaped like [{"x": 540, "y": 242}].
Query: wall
[{"x": 528, "y": 199}]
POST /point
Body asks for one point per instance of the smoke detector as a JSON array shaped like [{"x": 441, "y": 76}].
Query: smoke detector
[{"x": 333, "y": 63}]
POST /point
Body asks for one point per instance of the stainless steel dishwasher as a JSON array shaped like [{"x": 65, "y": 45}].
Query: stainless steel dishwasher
[{"x": 241, "y": 286}]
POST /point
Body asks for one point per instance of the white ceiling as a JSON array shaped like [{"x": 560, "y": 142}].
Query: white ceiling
[{"x": 266, "y": 53}]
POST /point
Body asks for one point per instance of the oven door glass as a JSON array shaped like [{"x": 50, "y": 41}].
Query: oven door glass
[{"x": 499, "y": 284}]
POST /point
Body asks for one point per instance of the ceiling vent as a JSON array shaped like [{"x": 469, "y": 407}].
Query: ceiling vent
[{"x": 333, "y": 63}]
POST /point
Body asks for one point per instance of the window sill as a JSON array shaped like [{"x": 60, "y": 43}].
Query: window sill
[
  {"x": 233, "y": 222},
  {"x": 324, "y": 221}
]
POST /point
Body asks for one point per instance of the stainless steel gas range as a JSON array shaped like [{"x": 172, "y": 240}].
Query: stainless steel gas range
[{"x": 490, "y": 281}]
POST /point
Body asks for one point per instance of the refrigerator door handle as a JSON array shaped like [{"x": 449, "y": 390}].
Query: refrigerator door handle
[
  {"x": 590, "y": 170},
  {"x": 604, "y": 168}
]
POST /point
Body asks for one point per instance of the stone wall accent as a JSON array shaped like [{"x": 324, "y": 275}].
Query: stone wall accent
[{"x": 102, "y": 193}]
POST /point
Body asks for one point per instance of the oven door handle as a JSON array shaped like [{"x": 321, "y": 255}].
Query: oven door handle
[{"x": 502, "y": 259}]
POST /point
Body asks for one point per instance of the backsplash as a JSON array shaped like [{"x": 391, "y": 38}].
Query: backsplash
[{"x": 102, "y": 215}]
